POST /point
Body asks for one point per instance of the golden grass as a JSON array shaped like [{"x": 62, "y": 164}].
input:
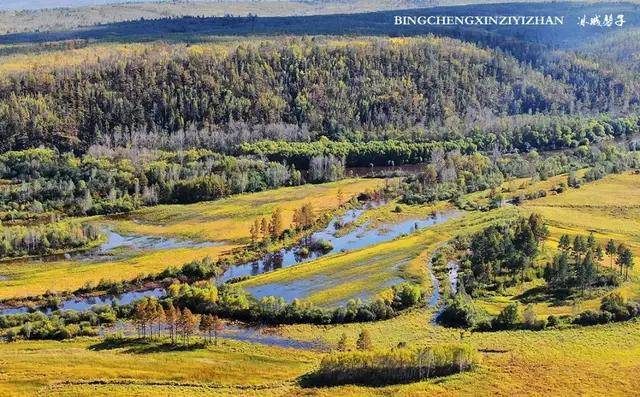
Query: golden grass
[
  {"x": 227, "y": 221},
  {"x": 53, "y": 368},
  {"x": 230, "y": 219},
  {"x": 610, "y": 208},
  {"x": 599, "y": 360},
  {"x": 38, "y": 277}
]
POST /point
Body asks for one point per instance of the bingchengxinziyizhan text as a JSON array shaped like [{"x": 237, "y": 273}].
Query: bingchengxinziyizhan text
[{"x": 479, "y": 20}]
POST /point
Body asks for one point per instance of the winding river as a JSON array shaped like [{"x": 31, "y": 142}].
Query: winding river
[{"x": 355, "y": 238}]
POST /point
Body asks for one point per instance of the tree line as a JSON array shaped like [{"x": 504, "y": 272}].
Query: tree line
[
  {"x": 178, "y": 323},
  {"x": 508, "y": 135},
  {"x": 59, "y": 324},
  {"x": 579, "y": 264},
  {"x": 450, "y": 175},
  {"x": 233, "y": 302},
  {"x": 44, "y": 180}
]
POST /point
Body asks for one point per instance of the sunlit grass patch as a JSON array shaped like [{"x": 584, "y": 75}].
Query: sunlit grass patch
[
  {"x": 37, "y": 365},
  {"x": 227, "y": 221},
  {"x": 230, "y": 219},
  {"x": 34, "y": 278}
]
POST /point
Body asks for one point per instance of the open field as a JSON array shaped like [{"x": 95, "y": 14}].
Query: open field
[
  {"x": 72, "y": 365},
  {"x": 600, "y": 360},
  {"x": 34, "y": 278},
  {"x": 227, "y": 221}
]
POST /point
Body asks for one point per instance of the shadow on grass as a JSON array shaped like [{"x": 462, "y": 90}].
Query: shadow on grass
[
  {"x": 382, "y": 378},
  {"x": 312, "y": 380},
  {"x": 541, "y": 294},
  {"x": 145, "y": 346}
]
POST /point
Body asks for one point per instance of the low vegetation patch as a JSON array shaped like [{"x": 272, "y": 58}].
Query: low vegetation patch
[{"x": 401, "y": 365}]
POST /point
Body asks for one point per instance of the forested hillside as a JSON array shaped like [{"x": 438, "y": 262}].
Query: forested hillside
[{"x": 295, "y": 90}]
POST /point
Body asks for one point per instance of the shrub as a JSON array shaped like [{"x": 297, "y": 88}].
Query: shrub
[
  {"x": 321, "y": 246},
  {"x": 553, "y": 321},
  {"x": 508, "y": 318},
  {"x": 460, "y": 312}
]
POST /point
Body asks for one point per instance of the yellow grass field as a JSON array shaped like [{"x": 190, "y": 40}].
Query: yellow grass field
[
  {"x": 593, "y": 361},
  {"x": 226, "y": 221},
  {"x": 610, "y": 208},
  {"x": 584, "y": 361},
  {"x": 230, "y": 219}
]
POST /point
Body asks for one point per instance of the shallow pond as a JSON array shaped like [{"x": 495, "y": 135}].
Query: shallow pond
[{"x": 118, "y": 246}]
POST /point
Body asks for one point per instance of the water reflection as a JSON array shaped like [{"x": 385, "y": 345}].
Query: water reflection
[{"x": 358, "y": 238}]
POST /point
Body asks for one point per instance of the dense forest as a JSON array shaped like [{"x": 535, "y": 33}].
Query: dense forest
[{"x": 300, "y": 89}]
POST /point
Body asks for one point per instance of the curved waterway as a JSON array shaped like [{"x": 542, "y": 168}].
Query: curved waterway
[
  {"x": 452, "y": 269},
  {"x": 359, "y": 237}
]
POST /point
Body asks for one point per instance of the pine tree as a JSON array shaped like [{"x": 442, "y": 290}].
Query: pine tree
[
  {"x": 611, "y": 249},
  {"x": 625, "y": 260},
  {"x": 564, "y": 242},
  {"x": 585, "y": 272},
  {"x": 591, "y": 241}
]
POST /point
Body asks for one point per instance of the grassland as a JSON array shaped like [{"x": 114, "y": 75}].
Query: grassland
[
  {"x": 609, "y": 208},
  {"x": 596, "y": 360},
  {"x": 600, "y": 360},
  {"x": 227, "y": 221},
  {"x": 55, "y": 368}
]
